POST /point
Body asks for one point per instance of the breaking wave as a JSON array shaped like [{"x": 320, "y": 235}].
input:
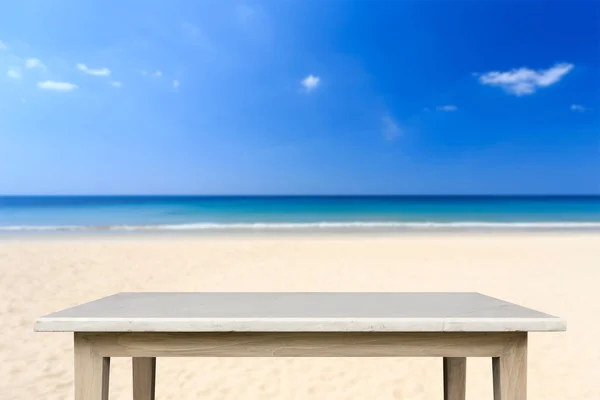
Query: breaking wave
[{"x": 291, "y": 226}]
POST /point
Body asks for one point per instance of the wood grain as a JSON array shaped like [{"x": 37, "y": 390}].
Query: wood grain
[
  {"x": 455, "y": 378},
  {"x": 510, "y": 371},
  {"x": 350, "y": 344},
  {"x": 92, "y": 372},
  {"x": 144, "y": 378}
]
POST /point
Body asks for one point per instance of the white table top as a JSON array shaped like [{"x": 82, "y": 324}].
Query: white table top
[{"x": 299, "y": 312}]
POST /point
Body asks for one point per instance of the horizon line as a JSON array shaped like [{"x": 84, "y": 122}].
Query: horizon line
[{"x": 315, "y": 195}]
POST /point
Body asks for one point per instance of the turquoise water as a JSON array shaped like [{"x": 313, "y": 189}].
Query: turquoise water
[{"x": 143, "y": 213}]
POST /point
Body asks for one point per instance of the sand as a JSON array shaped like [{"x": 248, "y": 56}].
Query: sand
[{"x": 555, "y": 273}]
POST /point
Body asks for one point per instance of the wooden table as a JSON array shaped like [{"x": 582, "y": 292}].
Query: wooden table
[{"x": 449, "y": 325}]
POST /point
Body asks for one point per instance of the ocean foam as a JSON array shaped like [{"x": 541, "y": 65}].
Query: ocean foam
[{"x": 259, "y": 226}]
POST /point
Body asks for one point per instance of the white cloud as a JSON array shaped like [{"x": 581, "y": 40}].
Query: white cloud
[
  {"x": 196, "y": 35},
  {"x": 14, "y": 73},
  {"x": 156, "y": 74},
  {"x": 91, "y": 71},
  {"x": 245, "y": 13},
  {"x": 116, "y": 84},
  {"x": 525, "y": 81},
  {"x": 448, "y": 107},
  {"x": 190, "y": 30},
  {"x": 391, "y": 130},
  {"x": 310, "y": 82},
  {"x": 57, "y": 86},
  {"x": 32, "y": 63},
  {"x": 176, "y": 84},
  {"x": 3, "y": 46},
  {"x": 578, "y": 107}
]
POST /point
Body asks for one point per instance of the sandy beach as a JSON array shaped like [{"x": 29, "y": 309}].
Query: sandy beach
[{"x": 555, "y": 273}]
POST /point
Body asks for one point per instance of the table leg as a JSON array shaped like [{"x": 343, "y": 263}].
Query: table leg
[
  {"x": 91, "y": 372},
  {"x": 510, "y": 372},
  {"x": 144, "y": 378},
  {"x": 455, "y": 378}
]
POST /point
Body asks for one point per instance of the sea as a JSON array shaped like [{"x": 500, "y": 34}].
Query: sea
[{"x": 296, "y": 213}]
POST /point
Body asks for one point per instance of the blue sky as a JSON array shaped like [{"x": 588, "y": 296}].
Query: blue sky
[{"x": 299, "y": 97}]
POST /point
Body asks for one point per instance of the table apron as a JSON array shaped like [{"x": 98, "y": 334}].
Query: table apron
[{"x": 301, "y": 344}]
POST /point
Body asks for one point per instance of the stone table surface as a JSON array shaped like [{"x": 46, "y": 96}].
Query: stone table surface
[{"x": 299, "y": 312}]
